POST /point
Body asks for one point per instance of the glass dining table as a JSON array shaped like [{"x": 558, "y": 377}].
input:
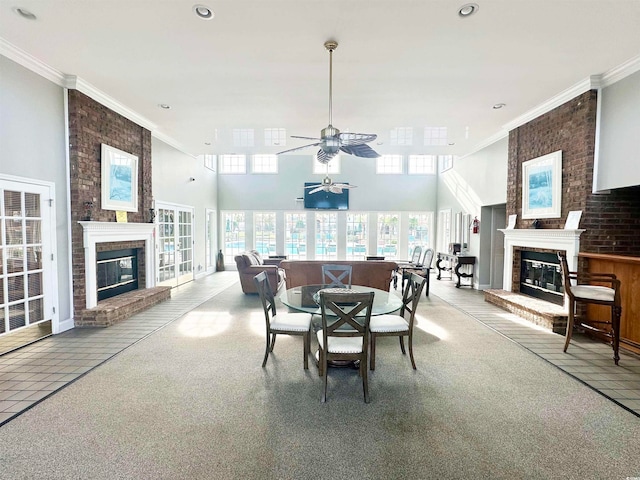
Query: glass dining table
[{"x": 305, "y": 298}]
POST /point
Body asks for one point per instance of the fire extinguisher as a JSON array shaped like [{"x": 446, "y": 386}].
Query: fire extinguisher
[{"x": 475, "y": 225}]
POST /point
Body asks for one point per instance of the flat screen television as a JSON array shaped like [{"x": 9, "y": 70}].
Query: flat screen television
[{"x": 325, "y": 200}]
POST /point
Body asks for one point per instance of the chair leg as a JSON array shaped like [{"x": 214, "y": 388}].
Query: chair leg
[
  {"x": 324, "y": 377},
  {"x": 266, "y": 351},
  {"x": 306, "y": 339},
  {"x": 273, "y": 340},
  {"x": 400, "y": 337},
  {"x": 410, "y": 341},
  {"x": 569, "y": 325},
  {"x": 426, "y": 286},
  {"x": 372, "y": 360},
  {"x": 365, "y": 380},
  {"x": 615, "y": 331}
]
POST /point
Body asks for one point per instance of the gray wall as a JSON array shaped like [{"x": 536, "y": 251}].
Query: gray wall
[
  {"x": 374, "y": 193},
  {"x": 171, "y": 173},
  {"x": 619, "y": 153},
  {"x": 476, "y": 181},
  {"x": 32, "y": 145}
]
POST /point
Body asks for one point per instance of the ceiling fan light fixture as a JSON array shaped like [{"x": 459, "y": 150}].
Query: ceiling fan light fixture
[
  {"x": 468, "y": 9},
  {"x": 203, "y": 12}
]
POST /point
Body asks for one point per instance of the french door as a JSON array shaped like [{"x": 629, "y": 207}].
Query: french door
[
  {"x": 27, "y": 266},
  {"x": 174, "y": 244}
]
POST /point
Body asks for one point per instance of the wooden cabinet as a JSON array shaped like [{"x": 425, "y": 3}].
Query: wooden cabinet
[{"x": 627, "y": 269}]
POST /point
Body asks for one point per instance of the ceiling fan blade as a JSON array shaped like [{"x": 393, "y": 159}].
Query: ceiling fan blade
[
  {"x": 317, "y": 189},
  {"x": 325, "y": 157},
  {"x": 360, "y": 151},
  {"x": 335, "y": 188},
  {"x": 356, "y": 138},
  {"x": 298, "y": 148},
  {"x": 344, "y": 185},
  {"x": 306, "y": 138}
]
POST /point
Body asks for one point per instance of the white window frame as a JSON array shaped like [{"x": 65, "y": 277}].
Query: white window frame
[
  {"x": 422, "y": 164},
  {"x": 233, "y": 163},
  {"x": 275, "y": 137},
  {"x": 243, "y": 137},
  {"x": 401, "y": 136},
  {"x": 210, "y": 161},
  {"x": 445, "y": 162},
  {"x": 259, "y": 220},
  {"x": 434, "y": 136},
  {"x": 389, "y": 165},
  {"x": 264, "y": 163}
]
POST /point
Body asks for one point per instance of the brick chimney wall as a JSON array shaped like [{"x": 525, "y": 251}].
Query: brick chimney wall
[
  {"x": 611, "y": 220},
  {"x": 90, "y": 125}
]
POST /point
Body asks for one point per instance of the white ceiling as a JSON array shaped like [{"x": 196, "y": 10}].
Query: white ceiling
[{"x": 259, "y": 64}]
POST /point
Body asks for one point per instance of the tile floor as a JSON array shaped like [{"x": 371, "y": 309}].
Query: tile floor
[{"x": 32, "y": 373}]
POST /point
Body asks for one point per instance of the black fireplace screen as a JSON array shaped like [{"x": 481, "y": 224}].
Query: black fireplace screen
[
  {"x": 117, "y": 272},
  {"x": 541, "y": 276}
]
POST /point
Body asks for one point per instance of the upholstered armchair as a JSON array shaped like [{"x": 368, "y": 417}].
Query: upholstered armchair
[{"x": 251, "y": 263}]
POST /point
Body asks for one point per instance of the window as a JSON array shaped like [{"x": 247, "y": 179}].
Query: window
[
  {"x": 243, "y": 137},
  {"x": 210, "y": 162},
  {"x": 234, "y": 233},
  {"x": 401, "y": 136},
  {"x": 422, "y": 164},
  {"x": 295, "y": 235},
  {"x": 357, "y": 235},
  {"x": 327, "y": 236},
  {"x": 389, "y": 164},
  {"x": 446, "y": 162},
  {"x": 435, "y": 135},
  {"x": 321, "y": 168},
  {"x": 444, "y": 230},
  {"x": 233, "y": 164},
  {"x": 420, "y": 227},
  {"x": 264, "y": 228},
  {"x": 388, "y": 235},
  {"x": 275, "y": 137},
  {"x": 265, "y": 164}
]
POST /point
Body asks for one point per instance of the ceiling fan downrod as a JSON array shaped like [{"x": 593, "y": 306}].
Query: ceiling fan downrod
[{"x": 330, "y": 45}]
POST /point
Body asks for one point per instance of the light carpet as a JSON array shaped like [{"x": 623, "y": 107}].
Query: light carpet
[{"x": 192, "y": 402}]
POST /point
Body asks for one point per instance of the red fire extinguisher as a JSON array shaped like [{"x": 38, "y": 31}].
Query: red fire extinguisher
[{"x": 475, "y": 225}]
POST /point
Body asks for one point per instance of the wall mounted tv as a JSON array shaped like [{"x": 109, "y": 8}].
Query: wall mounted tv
[{"x": 325, "y": 200}]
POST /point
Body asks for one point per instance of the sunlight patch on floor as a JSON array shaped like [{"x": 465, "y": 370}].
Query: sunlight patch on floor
[
  {"x": 521, "y": 321},
  {"x": 256, "y": 323},
  {"x": 430, "y": 327},
  {"x": 202, "y": 324}
]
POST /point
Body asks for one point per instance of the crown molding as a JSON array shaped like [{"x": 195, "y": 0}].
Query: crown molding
[
  {"x": 171, "y": 142},
  {"x": 76, "y": 83},
  {"x": 616, "y": 74},
  {"x": 30, "y": 62}
]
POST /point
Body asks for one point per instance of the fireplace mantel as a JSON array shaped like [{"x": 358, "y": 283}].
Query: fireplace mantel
[
  {"x": 551, "y": 239},
  {"x": 100, "y": 232}
]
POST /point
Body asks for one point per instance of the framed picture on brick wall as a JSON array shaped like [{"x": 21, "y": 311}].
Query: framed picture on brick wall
[
  {"x": 119, "y": 180},
  {"x": 542, "y": 186}
]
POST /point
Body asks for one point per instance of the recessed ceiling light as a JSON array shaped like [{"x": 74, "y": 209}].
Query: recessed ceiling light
[
  {"x": 468, "y": 9},
  {"x": 164, "y": 106},
  {"x": 24, "y": 13},
  {"x": 498, "y": 106},
  {"x": 203, "y": 12}
]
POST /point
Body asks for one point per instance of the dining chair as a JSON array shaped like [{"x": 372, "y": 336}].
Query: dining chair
[
  {"x": 423, "y": 269},
  {"x": 592, "y": 288},
  {"x": 416, "y": 253},
  {"x": 337, "y": 275},
  {"x": 344, "y": 337},
  {"x": 285, "y": 323},
  {"x": 392, "y": 325}
]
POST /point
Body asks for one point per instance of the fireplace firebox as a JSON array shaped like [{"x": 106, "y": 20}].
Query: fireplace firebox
[
  {"x": 541, "y": 276},
  {"x": 117, "y": 272}
]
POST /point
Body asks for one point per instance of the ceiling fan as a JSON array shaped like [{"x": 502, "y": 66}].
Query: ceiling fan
[
  {"x": 330, "y": 186},
  {"x": 331, "y": 140}
]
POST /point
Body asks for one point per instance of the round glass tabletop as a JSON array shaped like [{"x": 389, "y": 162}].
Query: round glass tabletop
[{"x": 304, "y": 298}]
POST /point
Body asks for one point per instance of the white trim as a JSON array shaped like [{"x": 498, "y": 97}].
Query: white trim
[
  {"x": 31, "y": 63},
  {"x": 616, "y": 74},
  {"x": 100, "y": 232},
  {"x": 552, "y": 239},
  {"x": 69, "y": 323}
]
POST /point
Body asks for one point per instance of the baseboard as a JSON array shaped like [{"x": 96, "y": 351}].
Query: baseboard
[{"x": 65, "y": 325}]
